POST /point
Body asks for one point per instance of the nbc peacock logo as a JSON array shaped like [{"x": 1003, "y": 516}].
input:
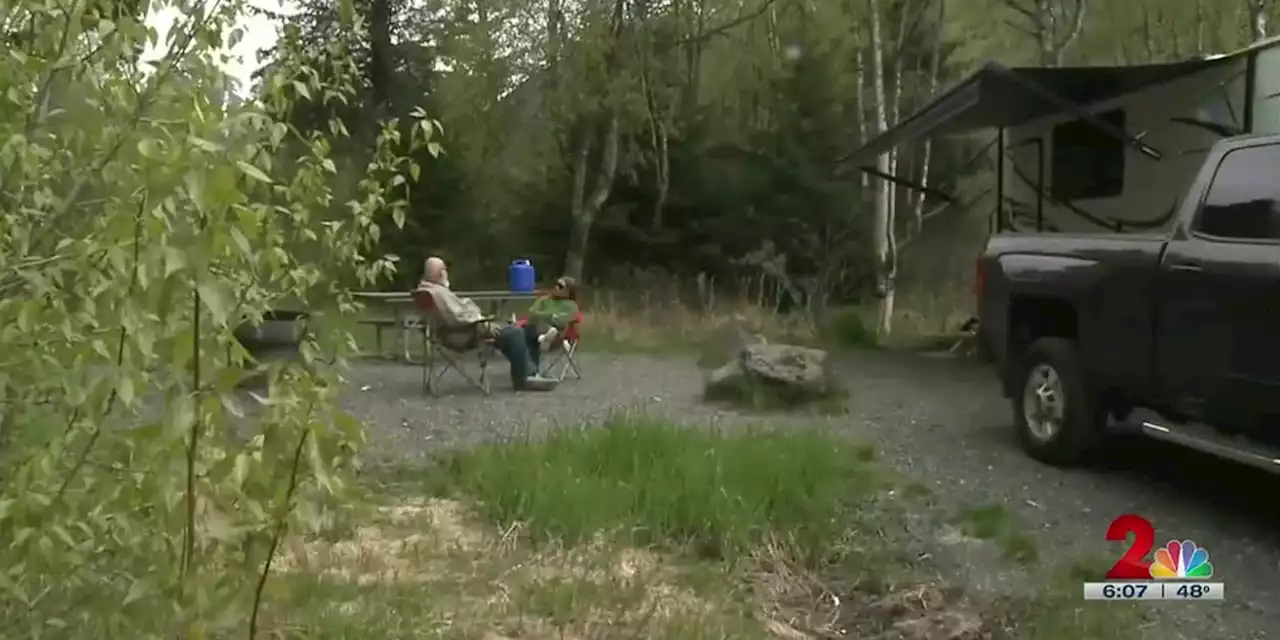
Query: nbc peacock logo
[{"x": 1181, "y": 560}]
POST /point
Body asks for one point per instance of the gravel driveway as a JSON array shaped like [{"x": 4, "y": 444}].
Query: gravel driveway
[{"x": 941, "y": 420}]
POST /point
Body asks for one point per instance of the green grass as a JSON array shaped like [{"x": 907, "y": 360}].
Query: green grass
[
  {"x": 644, "y": 528},
  {"x": 994, "y": 522},
  {"x": 646, "y": 482},
  {"x": 985, "y": 522}
]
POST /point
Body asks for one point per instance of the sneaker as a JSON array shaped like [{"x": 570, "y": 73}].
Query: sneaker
[
  {"x": 548, "y": 336},
  {"x": 539, "y": 383}
]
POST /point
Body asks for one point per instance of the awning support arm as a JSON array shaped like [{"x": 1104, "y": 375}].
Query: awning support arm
[
  {"x": 916, "y": 186},
  {"x": 1077, "y": 110}
]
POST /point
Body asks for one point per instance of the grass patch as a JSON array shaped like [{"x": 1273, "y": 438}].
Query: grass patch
[
  {"x": 648, "y": 529},
  {"x": 1020, "y": 548},
  {"x": 994, "y": 522},
  {"x": 985, "y": 522},
  {"x": 645, "y": 482}
]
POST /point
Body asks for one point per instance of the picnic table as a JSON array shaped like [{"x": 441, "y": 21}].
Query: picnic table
[{"x": 405, "y": 317}]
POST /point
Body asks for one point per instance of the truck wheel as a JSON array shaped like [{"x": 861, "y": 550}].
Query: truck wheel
[{"x": 1056, "y": 414}]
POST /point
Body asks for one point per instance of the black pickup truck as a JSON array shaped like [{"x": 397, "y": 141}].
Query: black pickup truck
[{"x": 1177, "y": 335}]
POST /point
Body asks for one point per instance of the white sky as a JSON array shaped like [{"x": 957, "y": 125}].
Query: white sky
[{"x": 260, "y": 33}]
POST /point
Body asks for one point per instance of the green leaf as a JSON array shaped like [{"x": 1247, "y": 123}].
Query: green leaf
[
  {"x": 174, "y": 260},
  {"x": 182, "y": 414},
  {"x": 124, "y": 390},
  {"x": 205, "y": 145},
  {"x": 149, "y": 147},
  {"x": 60, "y": 532},
  {"x": 218, "y": 527},
  {"x": 253, "y": 172},
  {"x": 242, "y": 469},
  {"x": 242, "y": 243},
  {"x": 137, "y": 591},
  {"x": 214, "y": 298}
]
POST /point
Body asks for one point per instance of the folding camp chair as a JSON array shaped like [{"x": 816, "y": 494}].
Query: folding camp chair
[
  {"x": 435, "y": 347},
  {"x": 565, "y": 350}
]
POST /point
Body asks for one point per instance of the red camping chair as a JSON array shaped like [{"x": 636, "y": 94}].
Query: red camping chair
[
  {"x": 565, "y": 348},
  {"x": 449, "y": 344}
]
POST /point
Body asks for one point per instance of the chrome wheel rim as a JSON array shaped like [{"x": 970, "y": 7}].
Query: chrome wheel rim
[{"x": 1044, "y": 403}]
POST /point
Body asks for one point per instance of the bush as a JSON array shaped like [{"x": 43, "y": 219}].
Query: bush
[{"x": 851, "y": 328}]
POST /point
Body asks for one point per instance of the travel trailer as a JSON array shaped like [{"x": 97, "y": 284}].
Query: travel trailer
[{"x": 1099, "y": 149}]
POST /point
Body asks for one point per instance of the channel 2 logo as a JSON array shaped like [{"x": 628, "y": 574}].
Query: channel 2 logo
[
  {"x": 1176, "y": 560},
  {"x": 1175, "y": 572}
]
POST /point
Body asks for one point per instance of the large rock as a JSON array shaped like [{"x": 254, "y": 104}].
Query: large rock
[
  {"x": 799, "y": 371},
  {"x": 787, "y": 365}
]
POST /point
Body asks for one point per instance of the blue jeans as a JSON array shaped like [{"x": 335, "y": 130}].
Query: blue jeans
[{"x": 521, "y": 348}]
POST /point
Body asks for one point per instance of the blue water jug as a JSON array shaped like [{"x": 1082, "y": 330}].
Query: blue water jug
[{"x": 521, "y": 276}]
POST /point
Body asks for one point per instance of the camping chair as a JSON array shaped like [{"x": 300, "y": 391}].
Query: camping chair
[
  {"x": 434, "y": 345},
  {"x": 565, "y": 350}
]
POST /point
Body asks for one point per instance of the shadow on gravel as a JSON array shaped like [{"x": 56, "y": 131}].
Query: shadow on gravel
[
  {"x": 1229, "y": 490},
  {"x": 1225, "y": 490}
]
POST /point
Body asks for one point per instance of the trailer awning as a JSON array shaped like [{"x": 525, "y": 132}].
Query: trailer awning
[{"x": 996, "y": 97}]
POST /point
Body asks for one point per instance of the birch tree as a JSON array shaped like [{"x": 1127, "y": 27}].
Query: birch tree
[
  {"x": 1257, "y": 13},
  {"x": 883, "y": 228},
  {"x": 1052, "y": 24}
]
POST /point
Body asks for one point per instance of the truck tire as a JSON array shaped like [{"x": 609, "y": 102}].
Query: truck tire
[{"x": 1055, "y": 411}]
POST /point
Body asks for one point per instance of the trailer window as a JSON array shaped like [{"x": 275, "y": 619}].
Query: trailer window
[
  {"x": 1266, "y": 92},
  {"x": 1243, "y": 201},
  {"x": 1088, "y": 162}
]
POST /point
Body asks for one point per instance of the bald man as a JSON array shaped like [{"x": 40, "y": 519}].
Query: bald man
[{"x": 466, "y": 320}]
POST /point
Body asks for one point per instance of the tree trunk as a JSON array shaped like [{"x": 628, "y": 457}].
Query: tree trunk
[
  {"x": 894, "y": 106},
  {"x": 658, "y": 140},
  {"x": 585, "y": 208},
  {"x": 1200, "y": 27},
  {"x": 1148, "y": 37},
  {"x": 381, "y": 59},
  {"x": 1054, "y": 25},
  {"x": 1258, "y": 18},
  {"x": 1175, "y": 36},
  {"x": 883, "y": 226},
  {"x": 935, "y": 64},
  {"x": 860, "y": 100}
]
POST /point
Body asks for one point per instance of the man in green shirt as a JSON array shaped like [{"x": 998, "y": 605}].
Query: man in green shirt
[{"x": 550, "y": 315}]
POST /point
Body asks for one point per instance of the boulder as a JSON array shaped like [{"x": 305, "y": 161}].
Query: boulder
[
  {"x": 794, "y": 370},
  {"x": 787, "y": 365}
]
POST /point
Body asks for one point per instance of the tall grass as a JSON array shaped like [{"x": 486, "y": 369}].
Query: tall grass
[
  {"x": 647, "y": 482},
  {"x": 665, "y": 314}
]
